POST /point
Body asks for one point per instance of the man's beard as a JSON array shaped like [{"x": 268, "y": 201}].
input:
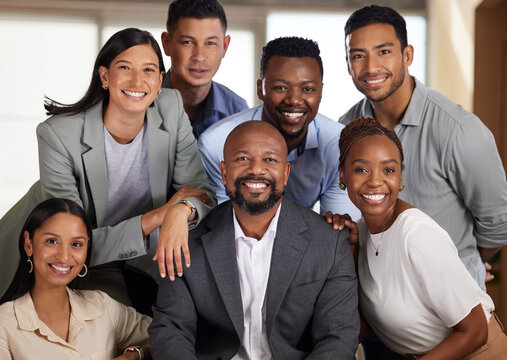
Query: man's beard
[
  {"x": 394, "y": 86},
  {"x": 251, "y": 207}
]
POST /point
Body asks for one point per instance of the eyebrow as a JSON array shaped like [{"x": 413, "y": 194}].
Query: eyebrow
[
  {"x": 59, "y": 236},
  {"x": 129, "y": 62},
  {"x": 286, "y": 81},
  {"x": 364, "y": 161},
  {"x": 268, "y": 152},
  {"x": 192, "y": 37},
  {"x": 387, "y": 44}
]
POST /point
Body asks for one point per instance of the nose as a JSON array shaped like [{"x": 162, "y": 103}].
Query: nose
[
  {"x": 137, "y": 77},
  {"x": 63, "y": 253},
  {"x": 375, "y": 179},
  {"x": 198, "y": 53},
  {"x": 256, "y": 167},
  {"x": 372, "y": 64},
  {"x": 294, "y": 96}
]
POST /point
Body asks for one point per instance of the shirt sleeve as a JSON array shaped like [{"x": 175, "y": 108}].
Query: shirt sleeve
[
  {"x": 450, "y": 290},
  {"x": 476, "y": 172},
  {"x": 131, "y": 327},
  {"x": 4, "y": 346},
  {"x": 211, "y": 156}
]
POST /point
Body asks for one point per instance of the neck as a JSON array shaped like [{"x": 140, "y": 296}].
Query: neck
[
  {"x": 193, "y": 96},
  {"x": 122, "y": 127},
  {"x": 390, "y": 111},
  {"x": 255, "y": 226},
  {"x": 50, "y": 300},
  {"x": 380, "y": 223}
]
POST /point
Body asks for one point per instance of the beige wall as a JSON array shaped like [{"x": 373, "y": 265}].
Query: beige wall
[{"x": 450, "y": 66}]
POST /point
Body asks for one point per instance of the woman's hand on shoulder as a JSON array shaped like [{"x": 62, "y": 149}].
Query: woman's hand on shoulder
[{"x": 339, "y": 222}]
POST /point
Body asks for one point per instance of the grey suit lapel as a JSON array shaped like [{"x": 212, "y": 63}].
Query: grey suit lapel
[
  {"x": 288, "y": 250},
  {"x": 94, "y": 159},
  {"x": 158, "y": 156},
  {"x": 220, "y": 251}
]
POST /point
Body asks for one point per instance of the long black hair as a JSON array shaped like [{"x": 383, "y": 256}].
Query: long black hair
[
  {"x": 118, "y": 43},
  {"x": 23, "y": 280}
]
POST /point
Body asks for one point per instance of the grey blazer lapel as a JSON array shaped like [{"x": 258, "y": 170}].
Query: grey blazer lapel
[
  {"x": 158, "y": 156},
  {"x": 288, "y": 250},
  {"x": 220, "y": 251},
  {"x": 94, "y": 159}
]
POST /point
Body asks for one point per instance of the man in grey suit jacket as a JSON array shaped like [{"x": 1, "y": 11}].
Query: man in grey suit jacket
[{"x": 269, "y": 279}]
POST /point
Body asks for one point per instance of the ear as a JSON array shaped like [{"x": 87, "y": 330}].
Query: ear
[
  {"x": 223, "y": 172},
  {"x": 166, "y": 43},
  {"x": 227, "y": 41},
  {"x": 27, "y": 245},
  {"x": 287, "y": 172},
  {"x": 260, "y": 94},
  {"x": 349, "y": 70},
  {"x": 408, "y": 55},
  {"x": 161, "y": 79},
  {"x": 342, "y": 177},
  {"x": 104, "y": 75}
]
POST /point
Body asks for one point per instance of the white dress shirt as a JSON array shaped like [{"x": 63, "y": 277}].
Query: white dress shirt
[{"x": 254, "y": 260}]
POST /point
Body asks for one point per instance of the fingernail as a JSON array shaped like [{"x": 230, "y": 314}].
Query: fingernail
[
  {"x": 171, "y": 277},
  {"x": 187, "y": 265},
  {"x": 180, "y": 274},
  {"x": 162, "y": 275}
]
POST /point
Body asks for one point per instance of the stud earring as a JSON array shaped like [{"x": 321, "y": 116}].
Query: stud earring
[
  {"x": 31, "y": 265},
  {"x": 342, "y": 186},
  {"x": 86, "y": 271},
  {"x": 402, "y": 187},
  {"x": 159, "y": 91},
  {"x": 104, "y": 87}
]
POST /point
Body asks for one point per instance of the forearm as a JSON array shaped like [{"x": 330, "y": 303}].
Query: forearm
[{"x": 487, "y": 253}]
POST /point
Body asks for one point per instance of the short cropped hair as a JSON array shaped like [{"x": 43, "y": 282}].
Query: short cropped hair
[
  {"x": 290, "y": 47},
  {"x": 375, "y": 14},
  {"x": 197, "y": 9},
  {"x": 361, "y": 128}
]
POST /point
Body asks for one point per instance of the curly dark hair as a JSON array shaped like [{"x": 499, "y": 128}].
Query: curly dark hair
[
  {"x": 361, "y": 128},
  {"x": 292, "y": 46},
  {"x": 197, "y": 9},
  {"x": 375, "y": 14}
]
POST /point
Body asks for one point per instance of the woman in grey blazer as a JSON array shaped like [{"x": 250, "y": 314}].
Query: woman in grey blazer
[{"x": 126, "y": 153}]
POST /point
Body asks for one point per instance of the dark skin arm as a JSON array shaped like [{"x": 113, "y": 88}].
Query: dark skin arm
[{"x": 467, "y": 336}]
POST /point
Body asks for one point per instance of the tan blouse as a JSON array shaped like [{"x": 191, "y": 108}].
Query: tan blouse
[{"x": 99, "y": 328}]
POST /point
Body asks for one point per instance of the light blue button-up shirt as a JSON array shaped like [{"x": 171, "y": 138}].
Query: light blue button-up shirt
[{"x": 314, "y": 171}]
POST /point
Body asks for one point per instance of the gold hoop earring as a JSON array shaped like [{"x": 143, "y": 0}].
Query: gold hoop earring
[
  {"x": 104, "y": 87},
  {"x": 342, "y": 186},
  {"x": 86, "y": 271},
  {"x": 402, "y": 187},
  {"x": 31, "y": 265},
  {"x": 159, "y": 91}
]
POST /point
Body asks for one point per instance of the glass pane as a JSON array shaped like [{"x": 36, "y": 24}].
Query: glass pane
[{"x": 40, "y": 56}]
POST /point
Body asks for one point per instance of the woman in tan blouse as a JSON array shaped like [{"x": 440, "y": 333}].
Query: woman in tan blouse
[{"x": 41, "y": 317}]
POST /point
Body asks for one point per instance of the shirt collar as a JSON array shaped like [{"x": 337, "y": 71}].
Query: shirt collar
[
  {"x": 271, "y": 230},
  {"x": 413, "y": 113},
  {"x": 28, "y": 320},
  {"x": 212, "y": 103}
]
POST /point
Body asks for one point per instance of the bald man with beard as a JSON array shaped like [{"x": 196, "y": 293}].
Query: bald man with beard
[{"x": 269, "y": 279}]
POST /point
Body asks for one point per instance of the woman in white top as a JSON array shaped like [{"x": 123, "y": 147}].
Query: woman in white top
[
  {"x": 414, "y": 291},
  {"x": 42, "y": 318}
]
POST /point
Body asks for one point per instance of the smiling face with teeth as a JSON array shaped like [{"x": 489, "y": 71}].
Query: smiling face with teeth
[
  {"x": 377, "y": 64},
  {"x": 133, "y": 79},
  {"x": 372, "y": 173},
  {"x": 291, "y": 90},
  {"x": 255, "y": 168},
  {"x": 58, "y": 250}
]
